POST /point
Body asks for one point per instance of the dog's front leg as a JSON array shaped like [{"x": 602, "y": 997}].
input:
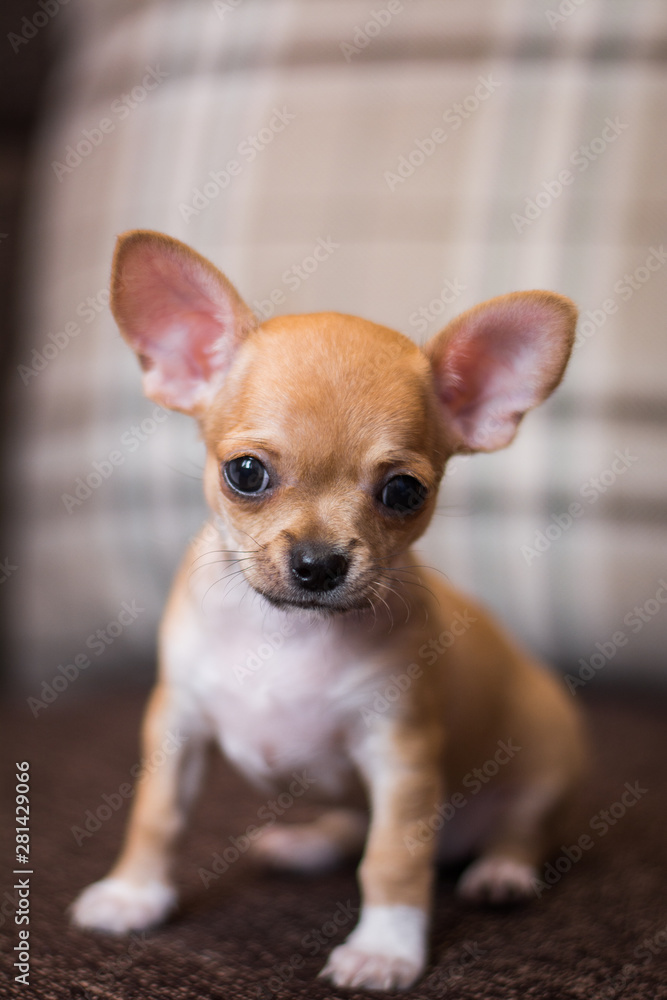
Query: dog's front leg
[
  {"x": 388, "y": 947},
  {"x": 138, "y": 891}
]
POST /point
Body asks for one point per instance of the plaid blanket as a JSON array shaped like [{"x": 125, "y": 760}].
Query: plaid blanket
[{"x": 400, "y": 160}]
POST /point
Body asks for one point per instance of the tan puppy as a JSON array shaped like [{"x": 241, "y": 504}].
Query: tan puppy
[{"x": 327, "y": 437}]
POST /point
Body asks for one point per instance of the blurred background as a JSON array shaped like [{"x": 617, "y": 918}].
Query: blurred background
[{"x": 397, "y": 159}]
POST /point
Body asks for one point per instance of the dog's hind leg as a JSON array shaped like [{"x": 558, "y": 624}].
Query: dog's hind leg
[
  {"x": 507, "y": 868},
  {"x": 337, "y": 835}
]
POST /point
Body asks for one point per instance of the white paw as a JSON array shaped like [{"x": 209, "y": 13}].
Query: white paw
[
  {"x": 385, "y": 951},
  {"x": 299, "y": 848},
  {"x": 497, "y": 880},
  {"x": 352, "y": 967},
  {"x": 118, "y": 906}
]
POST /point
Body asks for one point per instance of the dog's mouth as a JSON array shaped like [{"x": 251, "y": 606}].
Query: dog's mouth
[
  {"x": 310, "y": 576},
  {"x": 313, "y": 603}
]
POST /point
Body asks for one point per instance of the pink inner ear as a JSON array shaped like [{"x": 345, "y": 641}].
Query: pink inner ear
[
  {"x": 182, "y": 317},
  {"x": 495, "y": 361},
  {"x": 499, "y": 360}
]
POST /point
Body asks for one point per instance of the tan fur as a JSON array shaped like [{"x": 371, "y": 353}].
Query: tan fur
[{"x": 329, "y": 403}]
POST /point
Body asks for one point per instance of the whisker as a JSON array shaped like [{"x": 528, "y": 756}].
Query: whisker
[
  {"x": 221, "y": 579},
  {"x": 417, "y": 583},
  {"x": 218, "y": 562},
  {"x": 258, "y": 544},
  {"x": 226, "y": 552},
  {"x": 413, "y": 566},
  {"x": 249, "y": 589},
  {"x": 410, "y": 576},
  {"x": 380, "y": 583},
  {"x": 413, "y": 581},
  {"x": 222, "y": 562},
  {"x": 381, "y": 598}
]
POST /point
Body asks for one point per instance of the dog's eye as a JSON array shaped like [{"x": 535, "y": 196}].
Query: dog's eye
[
  {"x": 246, "y": 475},
  {"x": 403, "y": 494}
]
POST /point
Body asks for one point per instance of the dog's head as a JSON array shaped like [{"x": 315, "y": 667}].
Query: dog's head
[{"x": 327, "y": 435}]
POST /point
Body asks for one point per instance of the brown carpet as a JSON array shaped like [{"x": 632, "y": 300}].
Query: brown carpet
[{"x": 600, "y": 932}]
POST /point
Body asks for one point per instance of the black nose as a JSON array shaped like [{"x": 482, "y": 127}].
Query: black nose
[{"x": 317, "y": 567}]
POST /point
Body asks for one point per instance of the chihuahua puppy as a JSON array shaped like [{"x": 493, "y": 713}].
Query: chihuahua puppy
[{"x": 327, "y": 437}]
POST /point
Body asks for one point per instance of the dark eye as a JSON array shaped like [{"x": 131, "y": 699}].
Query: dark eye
[
  {"x": 246, "y": 475},
  {"x": 403, "y": 494}
]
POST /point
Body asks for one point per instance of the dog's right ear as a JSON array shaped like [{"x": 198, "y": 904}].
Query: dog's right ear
[{"x": 181, "y": 316}]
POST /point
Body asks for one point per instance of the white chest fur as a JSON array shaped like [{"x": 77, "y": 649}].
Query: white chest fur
[{"x": 281, "y": 692}]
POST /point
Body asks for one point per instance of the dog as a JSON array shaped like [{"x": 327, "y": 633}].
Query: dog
[{"x": 326, "y": 439}]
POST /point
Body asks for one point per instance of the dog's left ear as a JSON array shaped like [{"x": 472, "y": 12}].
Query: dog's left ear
[{"x": 498, "y": 360}]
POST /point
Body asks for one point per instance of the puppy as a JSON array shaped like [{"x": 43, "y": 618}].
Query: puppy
[{"x": 327, "y": 437}]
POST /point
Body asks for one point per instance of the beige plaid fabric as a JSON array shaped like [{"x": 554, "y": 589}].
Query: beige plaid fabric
[{"x": 397, "y": 159}]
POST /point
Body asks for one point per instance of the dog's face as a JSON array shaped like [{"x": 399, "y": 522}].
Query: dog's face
[
  {"x": 327, "y": 435},
  {"x": 325, "y": 451}
]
